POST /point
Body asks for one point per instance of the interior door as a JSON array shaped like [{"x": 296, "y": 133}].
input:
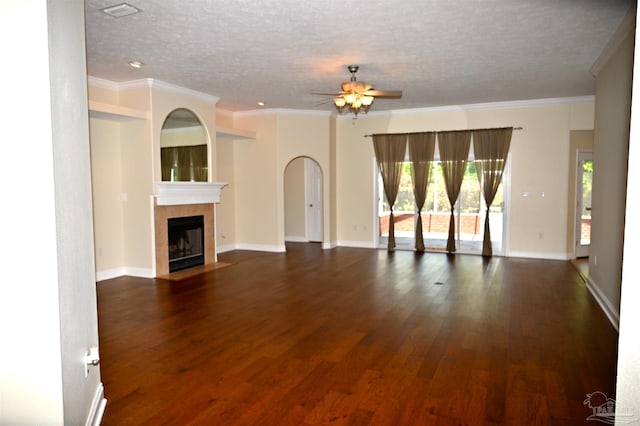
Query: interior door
[
  {"x": 583, "y": 206},
  {"x": 313, "y": 200}
]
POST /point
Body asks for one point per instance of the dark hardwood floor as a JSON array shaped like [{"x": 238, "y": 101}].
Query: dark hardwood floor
[{"x": 355, "y": 336}]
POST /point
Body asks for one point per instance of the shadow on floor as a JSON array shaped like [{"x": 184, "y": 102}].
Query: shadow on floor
[{"x": 582, "y": 266}]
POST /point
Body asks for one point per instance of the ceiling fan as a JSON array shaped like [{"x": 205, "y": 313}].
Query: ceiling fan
[{"x": 358, "y": 96}]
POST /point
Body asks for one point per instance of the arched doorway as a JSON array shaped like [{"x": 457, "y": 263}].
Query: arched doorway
[{"x": 303, "y": 201}]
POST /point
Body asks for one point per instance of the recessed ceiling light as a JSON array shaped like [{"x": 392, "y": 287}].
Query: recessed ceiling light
[
  {"x": 260, "y": 103},
  {"x": 136, "y": 64},
  {"x": 120, "y": 10}
]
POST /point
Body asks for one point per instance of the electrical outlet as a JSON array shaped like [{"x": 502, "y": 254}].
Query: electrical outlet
[{"x": 92, "y": 357}]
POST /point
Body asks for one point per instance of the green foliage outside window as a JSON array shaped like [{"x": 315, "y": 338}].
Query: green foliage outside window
[{"x": 437, "y": 200}]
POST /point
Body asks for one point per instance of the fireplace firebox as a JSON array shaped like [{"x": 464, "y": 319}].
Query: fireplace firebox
[{"x": 186, "y": 242}]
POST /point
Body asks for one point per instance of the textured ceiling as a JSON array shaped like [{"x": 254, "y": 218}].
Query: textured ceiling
[{"x": 438, "y": 52}]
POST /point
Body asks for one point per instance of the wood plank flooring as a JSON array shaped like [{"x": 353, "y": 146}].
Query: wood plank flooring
[{"x": 355, "y": 337}]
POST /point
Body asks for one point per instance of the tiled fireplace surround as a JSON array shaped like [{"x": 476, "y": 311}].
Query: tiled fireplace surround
[{"x": 183, "y": 199}]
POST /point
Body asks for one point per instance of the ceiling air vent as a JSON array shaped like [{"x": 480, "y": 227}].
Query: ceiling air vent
[{"x": 120, "y": 10}]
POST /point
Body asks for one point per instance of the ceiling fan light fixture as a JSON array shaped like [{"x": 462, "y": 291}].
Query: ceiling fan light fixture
[
  {"x": 356, "y": 96},
  {"x": 350, "y": 98},
  {"x": 367, "y": 100}
]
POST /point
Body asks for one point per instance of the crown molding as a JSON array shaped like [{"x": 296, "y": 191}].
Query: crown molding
[
  {"x": 529, "y": 103},
  {"x": 283, "y": 111},
  {"x": 143, "y": 83},
  {"x": 184, "y": 91},
  {"x": 148, "y": 83},
  {"x": 626, "y": 26},
  {"x": 102, "y": 83},
  {"x": 475, "y": 107}
]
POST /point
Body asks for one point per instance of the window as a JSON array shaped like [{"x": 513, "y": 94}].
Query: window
[{"x": 469, "y": 212}]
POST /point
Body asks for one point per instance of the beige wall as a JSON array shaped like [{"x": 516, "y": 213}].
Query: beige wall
[
  {"x": 224, "y": 118},
  {"x": 256, "y": 179},
  {"x": 163, "y": 103},
  {"x": 304, "y": 135},
  {"x": 539, "y": 166},
  {"x": 333, "y": 185},
  {"x": 189, "y": 136},
  {"x": 294, "y": 201},
  {"x": 252, "y": 213},
  {"x": 354, "y": 179},
  {"x": 102, "y": 94},
  {"x": 610, "y": 154},
  {"x": 137, "y": 187},
  {"x": 260, "y": 164},
  {"x": 124, "y": 225},
  {"x": 226, "y": 210},
  {"x": 106, "y": 183}
]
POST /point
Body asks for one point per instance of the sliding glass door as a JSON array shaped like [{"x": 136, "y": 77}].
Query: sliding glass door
[{"x": 469, "y": 213}]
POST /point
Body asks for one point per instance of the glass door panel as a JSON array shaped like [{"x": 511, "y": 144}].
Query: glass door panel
[
  {"x": 583, "y": 207},
  {"x": 469, "y": 213}
]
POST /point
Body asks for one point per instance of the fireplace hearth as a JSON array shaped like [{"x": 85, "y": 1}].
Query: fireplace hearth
[
  {"x": 180, "y": 200},
  {"x": 186, "y": 242}
]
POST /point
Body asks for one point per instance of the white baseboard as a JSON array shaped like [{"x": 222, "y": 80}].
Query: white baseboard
[
  {"x": 605, "y": 304},
  {"x": 119, "y": 272},
  {"x": 97, "y": 408},
  {"x": 261, "y": 247},
  {"x": 225, "y": 248},
  {"x": 140, "y": 272},
  {"x": 110, "y": 273},
  {"x": 294, "y": 239},
  {"x": 267, "y": 248},
  {"x": 539, "y": 255},
  {"x": 356, "y": 244}
]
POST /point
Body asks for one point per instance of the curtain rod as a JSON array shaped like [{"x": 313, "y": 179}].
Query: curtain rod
[{"x": 443, "y": 131}]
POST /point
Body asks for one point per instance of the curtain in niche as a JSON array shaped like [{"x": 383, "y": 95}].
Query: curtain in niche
[
  {"x": 390, "y": 151},
  {"x": 421, "y": 146},
  {"x": 189, "y": 163},
  {"x": 167, "y": 161},
  {"x": 454, "y": 152},
  {"x": 490, "y": 149}
]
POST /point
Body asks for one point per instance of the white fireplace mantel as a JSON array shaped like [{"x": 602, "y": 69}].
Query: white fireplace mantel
[{"x": 178, "y": 193}]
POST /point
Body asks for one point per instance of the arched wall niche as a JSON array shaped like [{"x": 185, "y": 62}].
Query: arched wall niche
[{"x": 184, "y": 148}]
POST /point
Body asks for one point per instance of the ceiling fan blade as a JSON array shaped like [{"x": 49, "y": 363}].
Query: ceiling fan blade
[
  {"x": 355, "y": 86},
  {"x": 327, "y": 94},
  {"x": 392, "y": 94},
  {"x": 325, "y": 101}
]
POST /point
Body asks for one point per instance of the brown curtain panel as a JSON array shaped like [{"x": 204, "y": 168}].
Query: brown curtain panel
[
  {"x": 490, "y": 148},
  {"x": 421, "y": 146},
  {"x": 189, "y": 161},
  {"x": 454, "y": 152},
  {"x": 166, "y": 160},
  {"x": 390, "y": 151}
]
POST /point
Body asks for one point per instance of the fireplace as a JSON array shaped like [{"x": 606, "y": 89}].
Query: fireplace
[
  {"x": 184, "y": 200},
  {"x": 186, "y": 242}
]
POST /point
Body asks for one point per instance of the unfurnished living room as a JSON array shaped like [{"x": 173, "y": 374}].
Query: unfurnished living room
[{"x": 315, "y": 213}]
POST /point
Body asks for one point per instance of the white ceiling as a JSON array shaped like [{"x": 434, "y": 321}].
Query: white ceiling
[{"x": 438, "y": 52}]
